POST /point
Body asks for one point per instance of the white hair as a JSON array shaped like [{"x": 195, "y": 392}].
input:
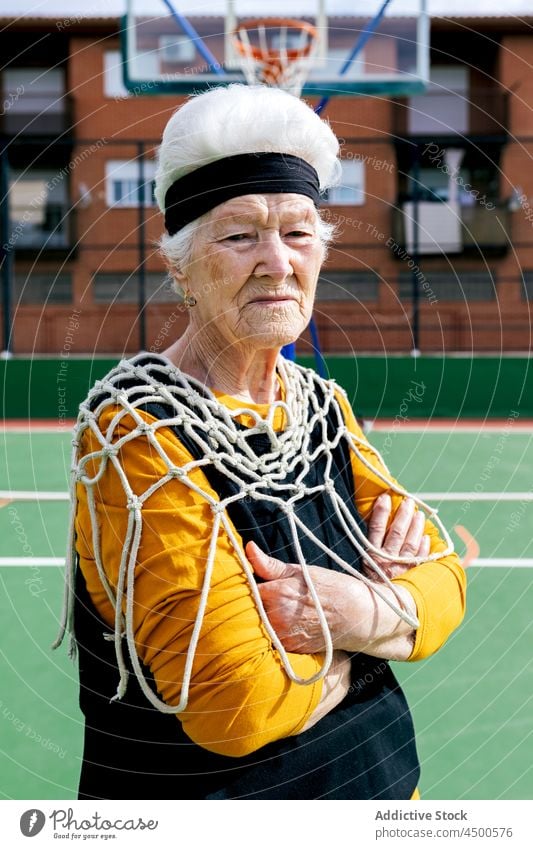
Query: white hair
[{"x": 226, "y": 121}]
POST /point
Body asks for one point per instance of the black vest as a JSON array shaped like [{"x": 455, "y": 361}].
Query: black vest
[{"x": 363, "y": 749}]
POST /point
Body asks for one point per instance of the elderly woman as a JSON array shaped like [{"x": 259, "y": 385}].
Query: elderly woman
[{"x": 244, "y": 566}]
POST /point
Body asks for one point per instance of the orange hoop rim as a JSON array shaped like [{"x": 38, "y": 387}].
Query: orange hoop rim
[{"x": 273, "y": 54}]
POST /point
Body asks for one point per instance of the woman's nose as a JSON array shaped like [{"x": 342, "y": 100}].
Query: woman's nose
[{"x": 274, "y": 259}]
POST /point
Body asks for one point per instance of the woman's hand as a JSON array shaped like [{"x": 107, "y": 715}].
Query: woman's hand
[
  {"x": 335, "y": 687},
  {"x": 404, "y": 538},
  {"x": 357, "y": 618},
  {"x": 289, "y": 604}
]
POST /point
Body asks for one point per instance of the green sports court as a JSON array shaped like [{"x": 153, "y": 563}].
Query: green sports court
[
  {"x": 471, "y": 703},
  {"x": 423, "y": 312}
]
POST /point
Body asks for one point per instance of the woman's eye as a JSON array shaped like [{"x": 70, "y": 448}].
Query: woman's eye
[
  {"x": 237, "y": 237},
  {"x": 298, "y": 234}
]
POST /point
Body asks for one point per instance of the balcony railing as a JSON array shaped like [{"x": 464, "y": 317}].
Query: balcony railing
[
  {"x": 475, "y": 112},
  {"x": 51, "y": 228},
  {"x": 444, "y": 229}
]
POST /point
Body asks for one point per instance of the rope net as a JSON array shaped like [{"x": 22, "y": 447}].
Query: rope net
[
  {"x": 213, "y": 428},
  {"x": 277, "y": 52}
]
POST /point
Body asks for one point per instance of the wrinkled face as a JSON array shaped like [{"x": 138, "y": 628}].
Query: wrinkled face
[{"x": 254, "y": 270}]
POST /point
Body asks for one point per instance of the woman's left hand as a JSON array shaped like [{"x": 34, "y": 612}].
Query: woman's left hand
[
  {"x": 357, "y": 619},
  {"x": 403, "y": 537}
]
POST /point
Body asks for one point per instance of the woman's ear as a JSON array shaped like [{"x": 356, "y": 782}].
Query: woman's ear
[
  {"x": 176, "y": 276},
  {"x": 179, "y": 284},
  {"x": 179, "y": 277}
]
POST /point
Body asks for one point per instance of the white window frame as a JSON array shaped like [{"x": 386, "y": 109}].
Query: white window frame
[
  {"x": 351, "y": 189},
  {"x": 125, "y": 172},
  {"x": 113, "y": 83}
]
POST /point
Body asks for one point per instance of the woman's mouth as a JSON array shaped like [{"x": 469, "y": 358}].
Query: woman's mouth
[{"x": 273, "y": 299}]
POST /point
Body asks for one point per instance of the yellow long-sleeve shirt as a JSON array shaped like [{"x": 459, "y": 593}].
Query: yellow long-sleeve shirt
[{"x": 241, "y": 697}]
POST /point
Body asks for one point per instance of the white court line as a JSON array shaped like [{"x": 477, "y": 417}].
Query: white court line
[
  {"x": 28, "y": 431},
  {"x": 451, "y": 429},
  {"x": 377, "y": 426},
  {"x": 476, "y": 496},
  {"x": 504, "y": 562},
  {"x": 32, "y": 561},
  {"x": 30, "y": 495},
  {"x": 494, "y": 562}
]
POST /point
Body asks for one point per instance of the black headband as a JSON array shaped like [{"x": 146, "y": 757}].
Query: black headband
[{"x": 248, "y": 173}]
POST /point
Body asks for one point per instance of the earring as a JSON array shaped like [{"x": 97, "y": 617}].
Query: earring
[{"x": 189, "y": 300}]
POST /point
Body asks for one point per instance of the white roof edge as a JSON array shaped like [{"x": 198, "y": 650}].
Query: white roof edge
[
  {"x": 72, "y": 12},
  {"x": 80, "y": 19}
]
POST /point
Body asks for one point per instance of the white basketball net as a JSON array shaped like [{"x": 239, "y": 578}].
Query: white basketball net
[
  {"x": 214, "y": 430},
  {"x": 277, "y": 66}
]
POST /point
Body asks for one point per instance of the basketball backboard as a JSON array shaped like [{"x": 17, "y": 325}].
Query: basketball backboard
[{"x": 184, "y": 46}]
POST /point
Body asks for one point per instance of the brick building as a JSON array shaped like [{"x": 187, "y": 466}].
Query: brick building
[{"x": 81, "y": 230}]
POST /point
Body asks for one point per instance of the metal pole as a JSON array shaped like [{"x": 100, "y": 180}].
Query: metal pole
[
  {"x": 319, "y": 358},
  {"x": 415, "y": 254},
  {"x": 198, "y": 42},
  {"x": 422, "y": 47},
  {"x": 366, "y": 33},
  {"x": 6, "y": 255},
  {"x": 142, "y": 256}
]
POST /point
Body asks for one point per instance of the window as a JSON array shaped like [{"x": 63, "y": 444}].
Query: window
[
  {"x": 123, "y": 184},
  {"x": 289, "y": 39},
  {"x": 335, "y": 61},
  {"x": 348, "y": 286},
  {"x": 444, "y": 109},
  {"x": 351, "y": 190},
  {"x": 453, "y": 174},
  {"x": 176, "y": 49},
  {"x": 527, "y": 286},
  {"x": 113, "y": 83},
  {"x": 445, "y": 286},
  {"x": 34, "y": 100},
  {"x": 123, "y": 288},
  {"x": 39, "y": 209},
  {"x": 42, "y": 288},
  {"x": 433, "y": 184}
]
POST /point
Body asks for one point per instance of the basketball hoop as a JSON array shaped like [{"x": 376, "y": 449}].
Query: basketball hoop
[{"x": 276, "y": 51}]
